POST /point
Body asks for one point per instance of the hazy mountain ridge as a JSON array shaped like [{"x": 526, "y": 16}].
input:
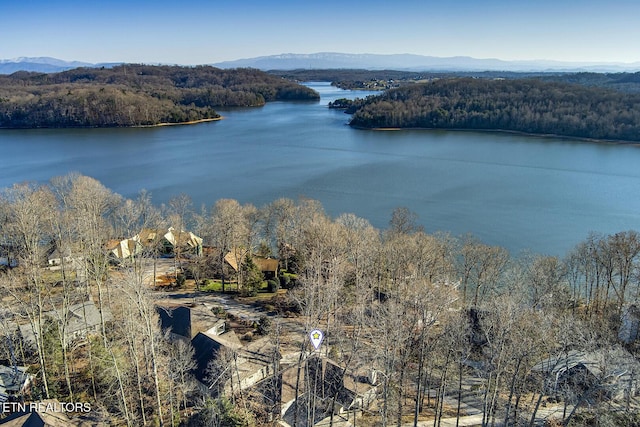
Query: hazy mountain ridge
[
  {"x": 47, "y": 60},
  {"x": 411, "y": 62},
  {"x": 334, "y": 60},
  {"x": 45, "y": 64}
]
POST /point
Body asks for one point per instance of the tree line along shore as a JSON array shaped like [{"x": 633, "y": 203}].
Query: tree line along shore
[{"x": 135, "y": 95}]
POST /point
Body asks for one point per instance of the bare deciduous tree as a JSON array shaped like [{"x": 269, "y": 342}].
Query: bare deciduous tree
[{"x": 29, "y": 214}]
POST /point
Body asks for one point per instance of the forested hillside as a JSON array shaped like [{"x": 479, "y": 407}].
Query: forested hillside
[
  {"x": 371, "y": 79},
  {"x": 366, "y": 79},
  {"x": 622, "y": 82},
  {"x": 135, "y": 95},
  {"x": 524, "y": 105}
]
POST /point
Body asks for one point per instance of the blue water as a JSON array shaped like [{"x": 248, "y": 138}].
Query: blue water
[{"x": 521, "y": 192}]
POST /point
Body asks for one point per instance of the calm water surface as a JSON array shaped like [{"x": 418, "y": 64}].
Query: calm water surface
[{"x": 516, "y": 191}]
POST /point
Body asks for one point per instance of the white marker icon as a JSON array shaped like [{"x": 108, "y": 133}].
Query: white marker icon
[{"x": 316, "y": 336}]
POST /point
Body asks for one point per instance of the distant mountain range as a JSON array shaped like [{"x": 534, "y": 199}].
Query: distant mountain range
[
  {"x": 329, "y": 60},
  {"x": 409, "y": 62},
  {"x": 43, "y": 64}
]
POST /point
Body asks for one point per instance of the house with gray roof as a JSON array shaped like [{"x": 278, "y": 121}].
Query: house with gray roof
[
  {"x": 14, "y": 381},
  {"x": 207, "y": 346},
  {"x": 82, "y": 320},
  {"x": 176, "y": 320},
  {"x": 610, "y": 373}
]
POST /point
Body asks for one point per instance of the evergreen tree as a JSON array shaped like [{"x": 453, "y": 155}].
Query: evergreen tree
[{"x": 251, "y": 276}]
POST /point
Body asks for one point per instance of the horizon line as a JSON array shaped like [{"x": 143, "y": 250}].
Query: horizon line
[{"x": 520, "y": 61}]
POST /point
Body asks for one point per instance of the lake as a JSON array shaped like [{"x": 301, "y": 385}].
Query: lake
[{"x": 544, "y": 194}]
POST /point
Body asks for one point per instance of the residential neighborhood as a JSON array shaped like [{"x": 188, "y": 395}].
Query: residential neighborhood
[{"x": 205, "y": 319}]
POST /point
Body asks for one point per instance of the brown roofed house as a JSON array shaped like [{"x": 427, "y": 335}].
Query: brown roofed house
[{"x": 268, "y": 266}]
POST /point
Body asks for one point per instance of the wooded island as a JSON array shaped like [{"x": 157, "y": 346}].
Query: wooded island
[
  {"x": 521, "y": 105},
  {"x": 135, "y": 95}
]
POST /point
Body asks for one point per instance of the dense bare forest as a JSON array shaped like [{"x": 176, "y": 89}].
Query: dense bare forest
[
  {"x": 524, "y": 105},
  {"x": 369, "y": 79},
  {"x": 419, "y": 327},
  {"x": 135, "y": 95}
]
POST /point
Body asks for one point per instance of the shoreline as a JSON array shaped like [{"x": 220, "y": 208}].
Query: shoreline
[
  {"x": 514, "y": 132},
  {"x": 192, "y": 122}
]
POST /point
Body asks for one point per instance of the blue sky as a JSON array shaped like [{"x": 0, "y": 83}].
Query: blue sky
[{"x": 200, "y": 32}]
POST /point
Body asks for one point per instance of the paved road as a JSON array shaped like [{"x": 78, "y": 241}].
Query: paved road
[
  {"x": 232, "y": 307},
  {"x": 466, "y": 421}
]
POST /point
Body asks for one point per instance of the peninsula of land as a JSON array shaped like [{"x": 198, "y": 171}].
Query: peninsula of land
[
  {"x": 532, "y": 106},
  {"x": 134, "y": 95}
]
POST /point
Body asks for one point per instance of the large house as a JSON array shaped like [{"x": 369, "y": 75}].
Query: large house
[
  {"x": 171, "y": 241},
  {"x": 125, "y": 248},
  {"x": 176, "y": 320},
  {"x": 268, "y": 266},
  {"x": 207, "y": 346},
  {"x": 601, "y": 374},
  {"x": 82, "y": 320},
  {"x": 335, "y": 390}
]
